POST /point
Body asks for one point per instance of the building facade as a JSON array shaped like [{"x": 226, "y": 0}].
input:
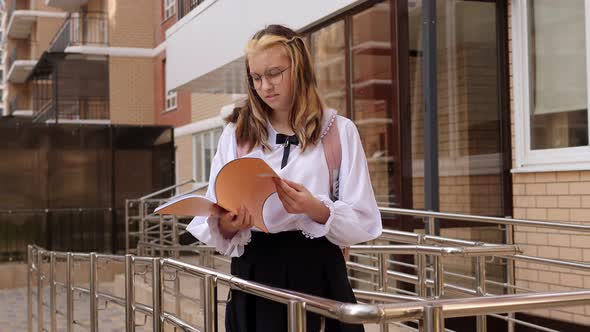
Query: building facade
[{"x": 510, "y": 94}]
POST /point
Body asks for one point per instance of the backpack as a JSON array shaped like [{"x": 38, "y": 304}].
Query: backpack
[{"x": 332, "y": 151}]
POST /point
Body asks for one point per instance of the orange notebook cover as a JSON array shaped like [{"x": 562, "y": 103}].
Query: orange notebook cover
[{"x": 243, "y": 181}]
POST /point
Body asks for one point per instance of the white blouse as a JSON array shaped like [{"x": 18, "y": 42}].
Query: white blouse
[{"x": 354, "y": 217}]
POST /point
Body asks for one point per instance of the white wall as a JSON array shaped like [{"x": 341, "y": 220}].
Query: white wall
[{"x": 216, "y": 32}]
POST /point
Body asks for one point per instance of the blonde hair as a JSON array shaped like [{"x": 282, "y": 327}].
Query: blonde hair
[{"x": 306, "y": 114}]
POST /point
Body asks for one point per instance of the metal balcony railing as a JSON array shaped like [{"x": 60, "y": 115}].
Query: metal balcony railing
[
  {"x": 185, "y": 6},
  {"x": 88, "y": 28},
  {"x": 71, "y": 109}
]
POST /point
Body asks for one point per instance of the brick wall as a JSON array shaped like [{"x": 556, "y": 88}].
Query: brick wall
[
  {"x": 131, "y": 88},
  {"x": 184, "y": 160},
  {"x": 207, "y": 105},
  {"x": 43, "y": 33},
  {"x": 558, "y": 197},
  {"x": 131, "y": 23}
]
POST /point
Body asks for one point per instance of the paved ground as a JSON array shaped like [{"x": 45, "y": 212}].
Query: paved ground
[{"x": 13, "y": 313}]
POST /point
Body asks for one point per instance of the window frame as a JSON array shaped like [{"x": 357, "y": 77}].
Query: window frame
[
  {"x": 541, "y": 160},
  {"x": 208, "y": 139},
  {"x": 171, "y": 101},
  {"x": 169, "y": 9}
]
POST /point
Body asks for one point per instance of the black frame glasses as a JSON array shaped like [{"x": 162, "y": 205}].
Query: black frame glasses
[{"x": 274, "y": 76}]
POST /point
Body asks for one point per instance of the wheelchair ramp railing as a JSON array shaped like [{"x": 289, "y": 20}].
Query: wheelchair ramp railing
[{"x": 428, "y": 312}]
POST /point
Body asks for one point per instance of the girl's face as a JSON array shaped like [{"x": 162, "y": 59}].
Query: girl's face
[{"x": 270, "y": 72}]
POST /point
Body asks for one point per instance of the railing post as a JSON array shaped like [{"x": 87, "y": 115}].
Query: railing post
[
  {"x": 209, "y": 291},
  {"x": 92, "y": 289},
  {"x": 297, "y": 316},
  {"x": 510, "y": 274},
  {"x": 69, "y": 293},
  {"x": 129, "y": 297},
  {"x": 156, "y": 296},
  {"x": 439, "y": 277},
  {"x": 52, "y": 293},
  {"x": 421, "y": 272},
  {"x": 39, "y": 291},
  {"x": 141, "y": 225},
  {"x": 30, "y": 288},
  {"x": 382, "y": 283},
  {"x": 161, "y": 228},
  {"x": 175, "y": 239},
  {"x": 127, "y": 221},
  {"x": 382, "y": 272},
  {"x": 480, "y": 277},
  {"x": 434, "y": 319}
]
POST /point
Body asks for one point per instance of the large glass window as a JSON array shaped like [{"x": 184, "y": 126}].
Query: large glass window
[
  {"x": 352, "y": 58},
  {"x": 469, "y": 130},
  {"x": 204, "y": 149},
  {"x": 557, "y": 74},
  {"x": 371, "y": 94},
  {"x": 328, "y": 49},
  {"x": 551, "y": 85}
]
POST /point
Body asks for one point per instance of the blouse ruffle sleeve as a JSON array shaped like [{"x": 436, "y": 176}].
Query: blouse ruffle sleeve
[{"x": 206, "y": 229}]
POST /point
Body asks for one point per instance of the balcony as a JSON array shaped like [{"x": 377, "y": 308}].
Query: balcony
[
  {"x": 18, "y": 108},
  {"x": 19, "y": 70},
  {"x": 80, "y": 29},
  {"x": 21, "y": 19},
  {"x": 71, "y": 110},
  {"x": 66, "y": 5},
  {"x": 185, "y": 6},
  {"x": 184, "y": 40}
]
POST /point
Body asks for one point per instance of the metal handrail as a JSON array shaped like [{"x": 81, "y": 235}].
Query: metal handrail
[
  {"x": 388, "y": 212},
  {"x": 161, "y": 191},
  {"x": 431, "y": 312}
]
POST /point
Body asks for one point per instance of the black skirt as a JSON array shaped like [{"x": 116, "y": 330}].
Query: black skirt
[{"x": 291, "y": 261}]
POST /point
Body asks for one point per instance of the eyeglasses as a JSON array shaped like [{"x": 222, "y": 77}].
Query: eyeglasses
[{"x": 273, "y": 76}]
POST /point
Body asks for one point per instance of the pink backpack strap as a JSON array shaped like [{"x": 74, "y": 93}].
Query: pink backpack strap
[{"x": 333, "y": 152}]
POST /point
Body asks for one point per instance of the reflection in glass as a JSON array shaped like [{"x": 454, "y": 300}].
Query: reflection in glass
[
  {"x": 371, "y": 94},
  {"x": 557, "y": 71},
  {"x": 327, "y": 48},
  {"x": 467, "y": 106}
]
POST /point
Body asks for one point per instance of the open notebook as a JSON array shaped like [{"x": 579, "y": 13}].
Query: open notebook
[{"x": 246, "y": 181}]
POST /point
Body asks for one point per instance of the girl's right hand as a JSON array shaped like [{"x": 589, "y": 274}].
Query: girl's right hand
[{"x": 230, "y": 223}]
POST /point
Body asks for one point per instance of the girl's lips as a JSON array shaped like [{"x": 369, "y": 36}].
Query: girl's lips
[{"x": 271, "y": 97}]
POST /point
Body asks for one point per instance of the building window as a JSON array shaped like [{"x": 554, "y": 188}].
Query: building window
[
  {"x": 551, "y": 85},
  {"x": 204, "y": 148},
  {"x": 171, "y": 100},
  {"x": 169, "y": 8}
]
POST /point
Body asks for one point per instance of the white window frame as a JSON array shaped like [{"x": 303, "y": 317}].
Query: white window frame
[
  {"x": 169, "y": 8},
  {"x": 543, "y": 160},
  {"x": 209, "y": 139},
  {"x": 171, "y": 101}
]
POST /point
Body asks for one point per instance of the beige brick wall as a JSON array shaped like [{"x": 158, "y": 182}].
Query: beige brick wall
[
  {"x": 184, "y": 160},
  {"x": 131, "y": 89},
  {"x": 558, "y": 197},
  {"x": 207, "y": 105},
  {"x": 131, "y": 23},
  {"x": 43, "y": 32}
]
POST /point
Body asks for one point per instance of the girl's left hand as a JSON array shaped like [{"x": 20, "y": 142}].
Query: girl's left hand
[{"x": 297, "y": 199}]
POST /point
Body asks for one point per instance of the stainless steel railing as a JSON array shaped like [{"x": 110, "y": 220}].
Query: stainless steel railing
[
  {"x": 430, "y": 313},
  {"x": 380, "y": 276}
]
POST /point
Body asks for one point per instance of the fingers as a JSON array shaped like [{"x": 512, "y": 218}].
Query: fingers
[
  {"x": 287, "y": 200},
  {"x": 240, "y": 221},
  {"x": 294, "y": 185},
  {"x": 285, "y": 188},
  {"x": 217, "y": 210}
]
